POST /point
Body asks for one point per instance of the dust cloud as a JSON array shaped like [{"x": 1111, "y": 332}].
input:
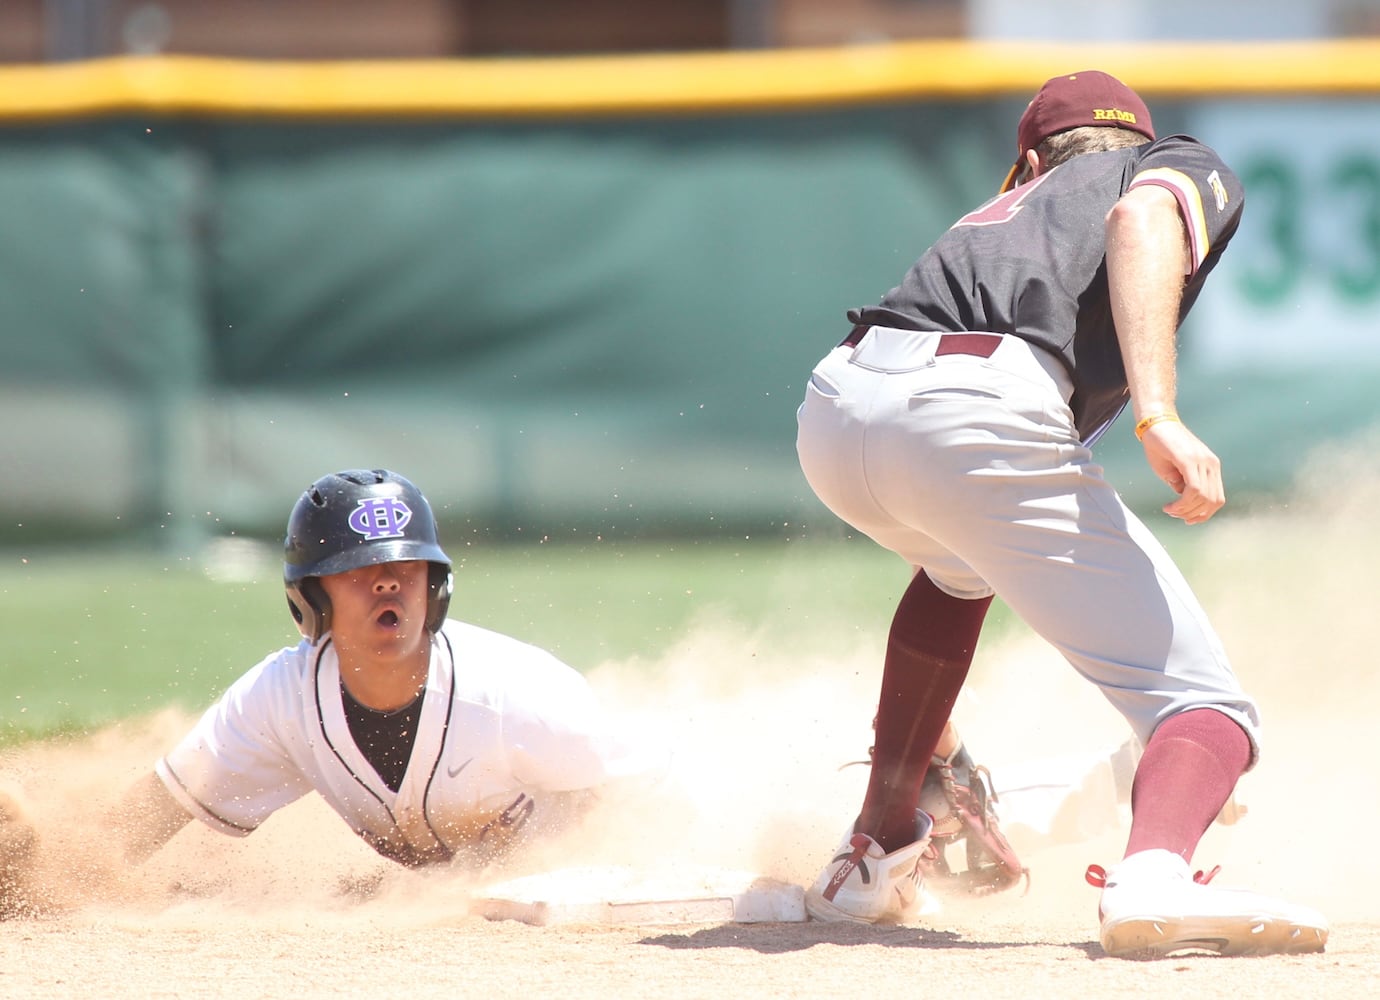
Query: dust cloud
[{"x": 759, "y": 740}]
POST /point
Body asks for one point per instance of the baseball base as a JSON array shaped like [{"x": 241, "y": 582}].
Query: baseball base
[{"x": 612, "y": 895}]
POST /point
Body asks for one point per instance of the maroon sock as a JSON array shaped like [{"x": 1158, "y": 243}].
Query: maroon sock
[
  {"x": 929, "y": 649},
  {"x": 1185, "y": 776}
]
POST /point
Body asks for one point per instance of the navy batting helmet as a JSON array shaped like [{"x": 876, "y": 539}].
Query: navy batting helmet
[{"x": 352, "y": 519}]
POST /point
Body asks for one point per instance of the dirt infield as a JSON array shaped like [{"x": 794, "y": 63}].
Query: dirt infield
[
  {"x": 1016, "y": 954},
  {"x": 302, "y": 909}
]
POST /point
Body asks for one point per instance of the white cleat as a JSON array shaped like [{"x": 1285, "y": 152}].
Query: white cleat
[
  {"x": 862, "y": 884},
  {"x": 1151, "y": 907}
]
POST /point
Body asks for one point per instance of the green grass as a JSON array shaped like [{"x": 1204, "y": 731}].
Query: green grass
[{"x": 96, "y": 636}]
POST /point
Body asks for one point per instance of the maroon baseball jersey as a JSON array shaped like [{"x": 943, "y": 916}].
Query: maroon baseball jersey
[{"x": 1032, "y": 262}]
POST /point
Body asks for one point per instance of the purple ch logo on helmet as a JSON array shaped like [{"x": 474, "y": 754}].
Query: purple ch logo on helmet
[
  {"x": 352, "y": 519},
  {"x": 380, "y": 517}
]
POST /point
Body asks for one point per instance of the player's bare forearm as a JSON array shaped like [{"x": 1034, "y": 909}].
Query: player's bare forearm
[
  {"x": 948, "y": 740},
  {"x": 1147, "y": 258},
  {"x": 147, "y": 818},
  {"x": 18, "y": 843}
]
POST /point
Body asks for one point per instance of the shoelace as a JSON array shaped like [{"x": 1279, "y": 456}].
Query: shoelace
[{"x": 1096, "y": 876}]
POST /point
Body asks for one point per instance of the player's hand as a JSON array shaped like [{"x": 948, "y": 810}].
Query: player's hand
[
  {"x": 1190, "y": 469},
  {"x": 18, "y": 843}
]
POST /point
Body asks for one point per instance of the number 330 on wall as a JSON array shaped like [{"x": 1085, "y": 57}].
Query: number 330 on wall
[{"x": 1308, "y": 223}]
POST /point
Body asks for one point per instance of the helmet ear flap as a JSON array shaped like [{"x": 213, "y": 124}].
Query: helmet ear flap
[
  {"x": 440, "y": 585},
  {"x": 310, "y": 607}
]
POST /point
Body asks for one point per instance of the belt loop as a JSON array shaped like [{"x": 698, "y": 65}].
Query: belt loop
[
  {"x": 854, "y": 336},
  {"x": 979, "y": 345}
]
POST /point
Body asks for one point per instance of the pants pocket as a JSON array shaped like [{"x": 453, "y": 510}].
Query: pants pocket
[
  {"x": 953, "y": 393},
  {"x": 822, "y": 385}
]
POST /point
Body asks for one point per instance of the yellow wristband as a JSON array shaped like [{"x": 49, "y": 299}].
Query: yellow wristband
[{"x": 1147, "y": 422}]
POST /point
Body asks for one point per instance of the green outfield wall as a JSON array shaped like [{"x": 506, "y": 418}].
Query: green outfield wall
[{"x": 581, "y": 297}]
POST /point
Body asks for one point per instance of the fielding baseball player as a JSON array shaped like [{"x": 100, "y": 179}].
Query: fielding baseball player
[
  {"x": 953, "y": 426},
  {"x": 436, "y": 741}
]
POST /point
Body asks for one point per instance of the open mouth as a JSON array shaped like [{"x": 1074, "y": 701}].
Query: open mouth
[{"x": 389, "y": 619}]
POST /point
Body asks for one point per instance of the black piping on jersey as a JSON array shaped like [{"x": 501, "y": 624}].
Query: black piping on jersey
[
  {"x": 445, "y": 731},
  {"x": 321, "y": 721},
  {"x": 204, "y": 808}
]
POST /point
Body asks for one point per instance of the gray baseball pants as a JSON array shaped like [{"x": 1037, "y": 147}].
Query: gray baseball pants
[{"x": 970, "y": 467}]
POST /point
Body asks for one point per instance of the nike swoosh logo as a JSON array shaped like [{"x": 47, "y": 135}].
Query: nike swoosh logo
[{"x": 455, "y": 772}]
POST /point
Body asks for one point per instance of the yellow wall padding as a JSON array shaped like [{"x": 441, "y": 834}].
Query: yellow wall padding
[{"x": 708, "y": 82}]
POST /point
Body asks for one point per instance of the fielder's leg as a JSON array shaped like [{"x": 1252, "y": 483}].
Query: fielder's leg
[
  {"x": 876, "y": 873},
  {"x": 1184, "y": 778},
  {"x": 929, "y": 650}
]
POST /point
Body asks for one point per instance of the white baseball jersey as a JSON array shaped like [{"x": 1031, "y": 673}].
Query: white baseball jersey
[{"x": 503, "y": 726}]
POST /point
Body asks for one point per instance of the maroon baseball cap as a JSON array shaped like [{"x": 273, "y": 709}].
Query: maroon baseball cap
[{"x": 1089, "y": 97}]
